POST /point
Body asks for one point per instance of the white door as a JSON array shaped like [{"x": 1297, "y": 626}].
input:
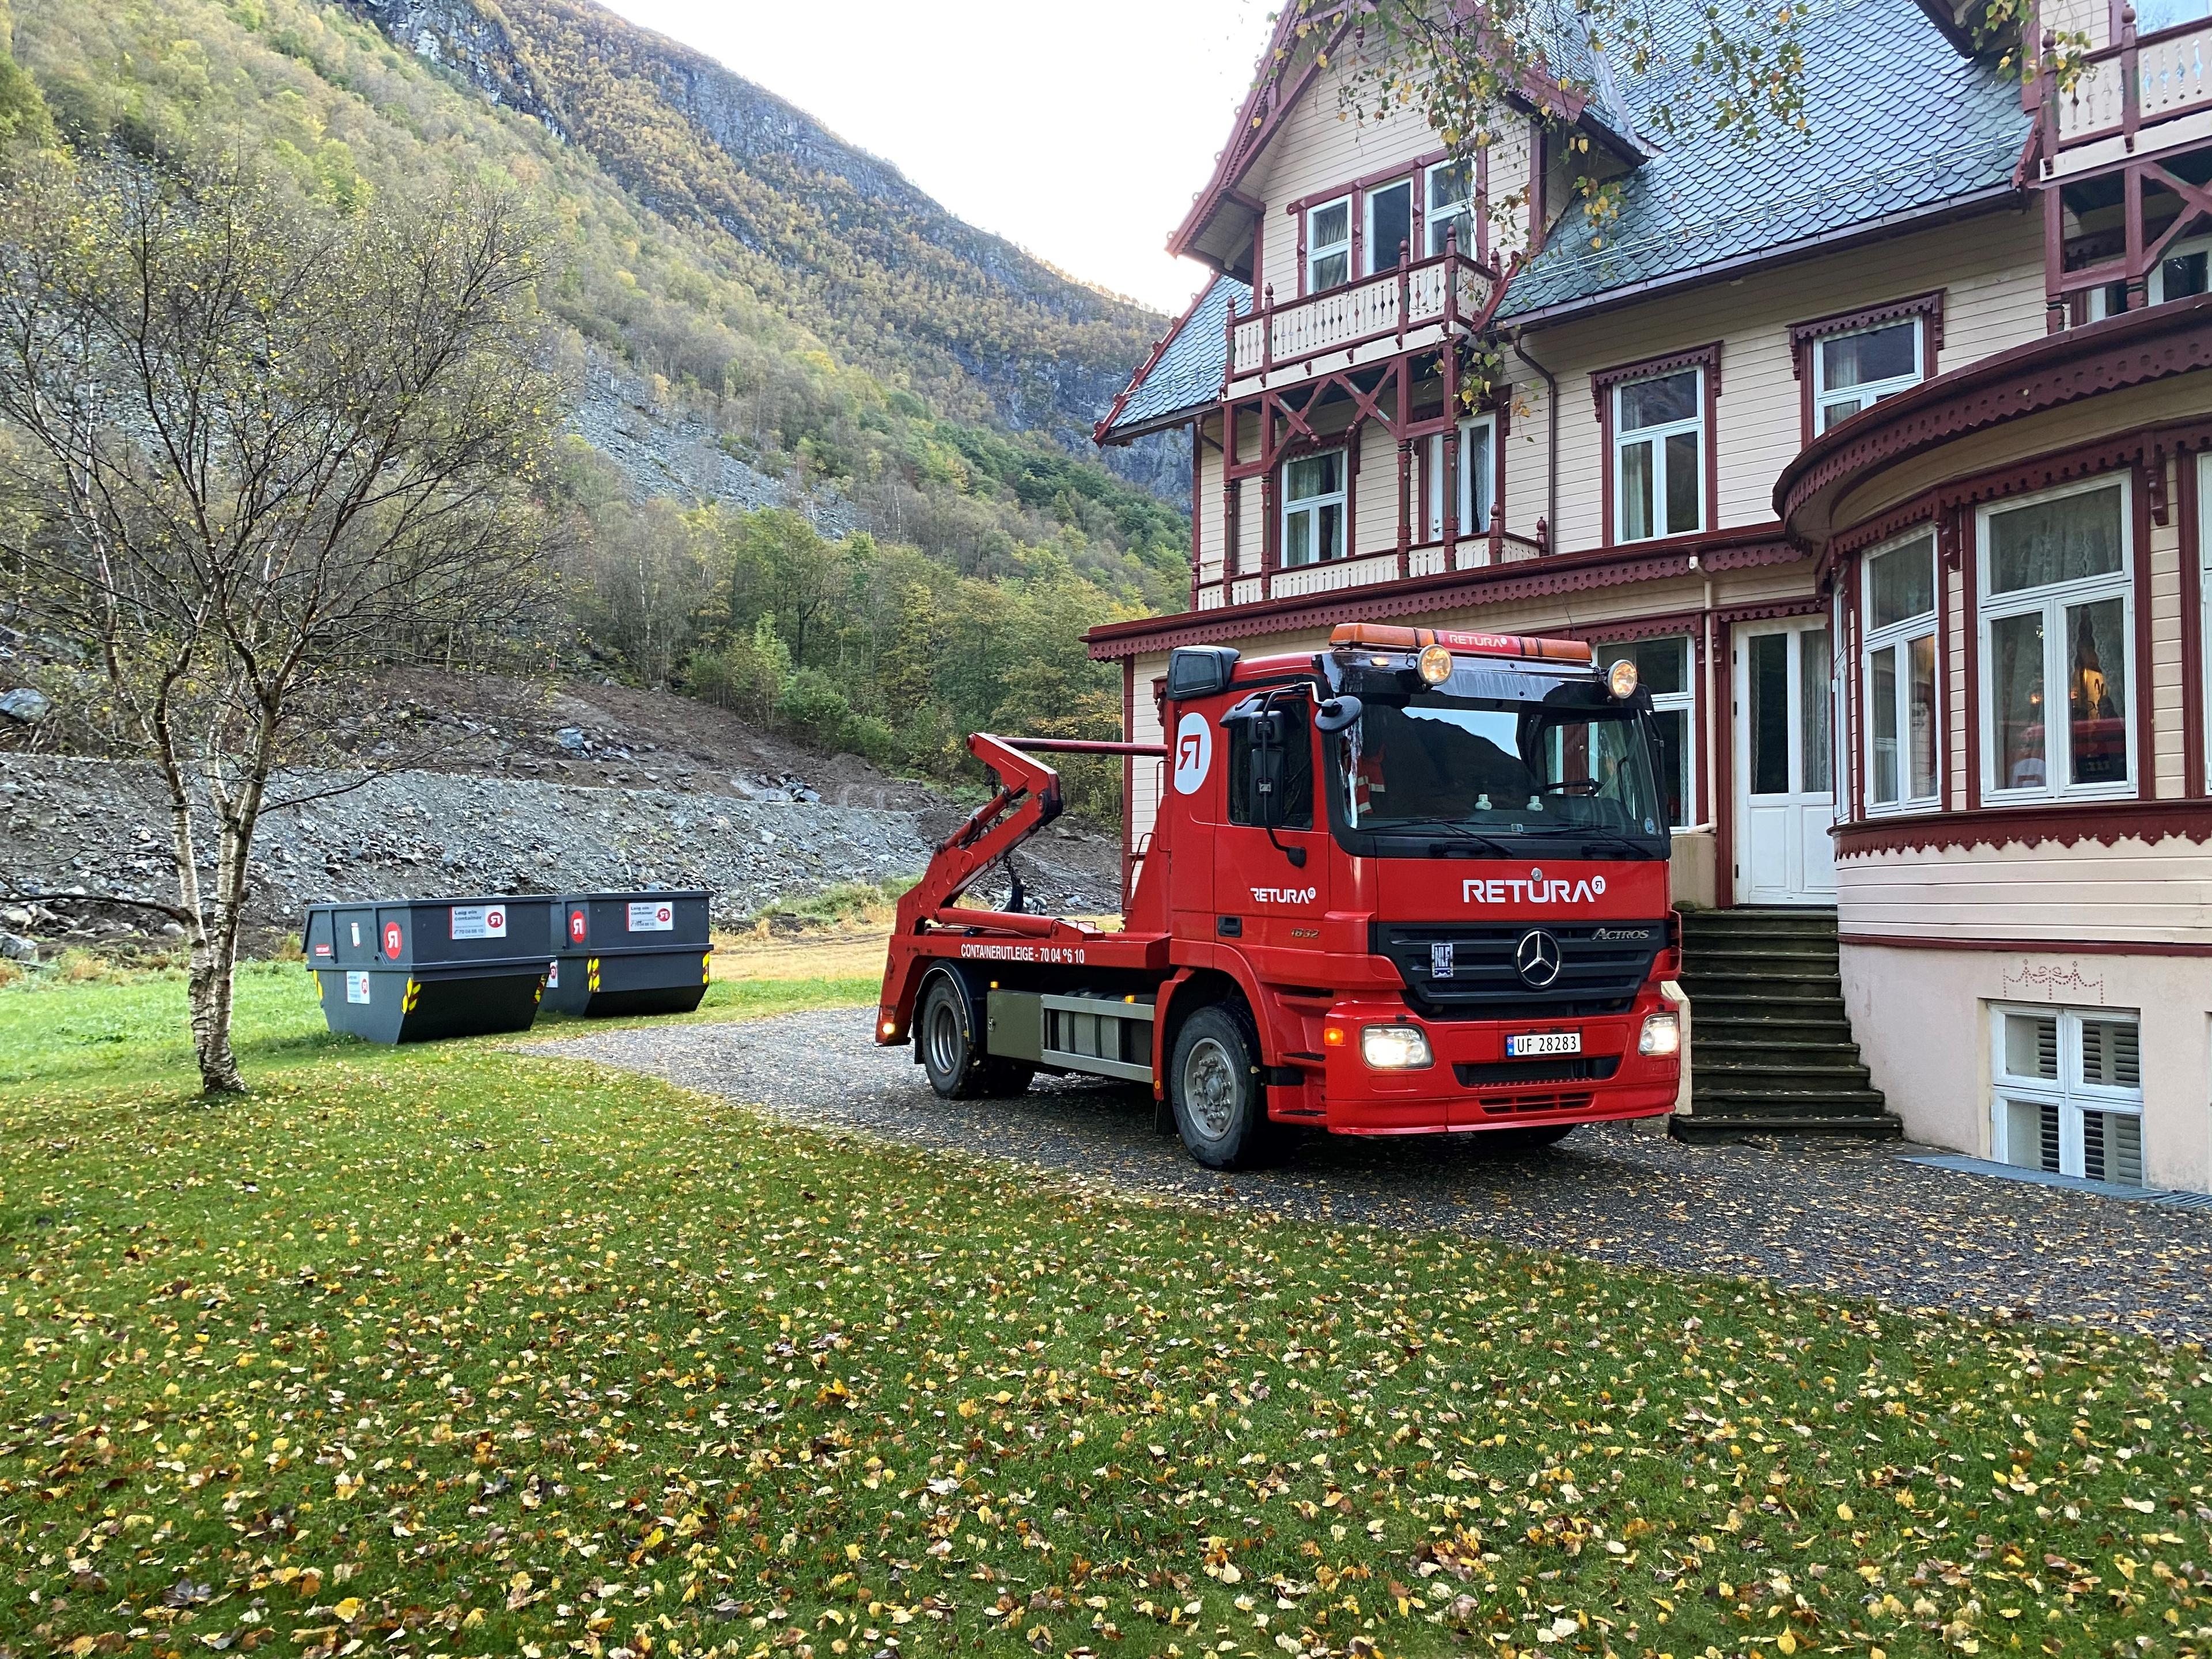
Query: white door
[{"x": 1786, "y": 762}]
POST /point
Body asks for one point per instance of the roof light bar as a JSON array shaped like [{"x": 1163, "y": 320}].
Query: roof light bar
[{"x": 1385, "y": 636}]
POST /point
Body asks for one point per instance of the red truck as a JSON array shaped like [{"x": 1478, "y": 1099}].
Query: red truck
[{"x": 1412, "y": 884}]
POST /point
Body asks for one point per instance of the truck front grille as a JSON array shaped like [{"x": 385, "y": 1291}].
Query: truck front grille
[
  {"x": 1602, "y": 965},
  {"x": 1505, "y": 1074}
]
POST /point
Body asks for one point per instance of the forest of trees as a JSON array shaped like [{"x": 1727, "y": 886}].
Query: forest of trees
[{"x": 980, "y": 556}]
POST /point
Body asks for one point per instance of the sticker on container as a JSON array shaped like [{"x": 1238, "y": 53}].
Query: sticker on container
[
  {"x": 322, "y": 949},
  {"x": 578, "y": 925},
  {"x": 356, "y": 935},
  {"x": 392, "y": 940},
  {"x": 479, "y": 921},
  {"x": 652, "y": 917},
  {"x": 553, "y": 975},
  {"x": 356, "y": 985}
]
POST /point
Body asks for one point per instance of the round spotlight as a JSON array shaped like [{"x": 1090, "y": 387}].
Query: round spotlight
[
  {"x": 1622, "y": 679},
  {"x": 1436, "y": 664}
]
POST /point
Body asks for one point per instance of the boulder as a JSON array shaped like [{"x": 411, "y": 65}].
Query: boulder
[{"x": 25, "y": 706}]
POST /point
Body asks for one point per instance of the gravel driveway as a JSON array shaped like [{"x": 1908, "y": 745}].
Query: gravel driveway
[{"x": 1853, "y": 1219}]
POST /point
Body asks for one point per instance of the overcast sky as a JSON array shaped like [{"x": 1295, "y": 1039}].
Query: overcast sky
[{"x": 1080, "y": 131}]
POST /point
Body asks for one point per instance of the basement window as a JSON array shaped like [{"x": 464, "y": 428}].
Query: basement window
[{"x": 2069, "y": 1097}]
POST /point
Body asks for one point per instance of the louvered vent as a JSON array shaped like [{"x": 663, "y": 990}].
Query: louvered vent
[
  {"x": 2032, "y": 1046},
  {"x": 2111, "y": 1054}
]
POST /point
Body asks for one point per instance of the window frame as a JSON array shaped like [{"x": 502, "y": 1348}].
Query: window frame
[
  {"x": 1311, "y": 251},
  {"x": 1341, "y": 496},
  {"x": 2198, "y": 503},
  {"x": 1699, "y": 423},
  {"x": 1470, "y": 528},
  {"x": 2053, "y": 600},
  {"x": 1805, "y": 338},
  {"x": 1684, "y": 702},
  {"x": 1897, "y": 638},
  {"x": 1872, "y": 392},
  {"x": 1379, "y": 264},
  {"x": 2098, "y": 305},
  {"x": 1430, "y": 218},
  {"x": 2069, "y": 1092}
]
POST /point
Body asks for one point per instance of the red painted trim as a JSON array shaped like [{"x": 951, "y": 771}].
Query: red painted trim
[
  {"x": 2067, "y": 823},
  {"x": 2056, "y": 947},
  {"x": 1700, "y": 654},
  {"x": 2139, "y": 492},
  {"x": 1558, "y": 573},
  {"x": 1929, "y": 305},
  {"x": 2193, "y": 690},
  {"x": 1707, "y": 357},
  {"x": 2131, "y": 349},
  {"x": 1129, "y": 781},
  {"x": 1943, "y": 721},
  {"x": 1969, "y": 539}
]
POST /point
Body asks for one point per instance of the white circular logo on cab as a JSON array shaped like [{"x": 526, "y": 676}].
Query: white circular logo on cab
[{"x": 1194, "y": 753}]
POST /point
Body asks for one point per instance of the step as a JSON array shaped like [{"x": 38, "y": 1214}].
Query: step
[
  {"x": 1784, "y": 1103},
  {"x": 1712, "y": 1008},
  {"x": 1735, "y": 1070},
  {"x": 1761, "y": 950},
  {"x": 1730, "y": 1045},
  {"x": 1743, "y": 921},
  {"x": 1700, "y": 1127},
  {"x": 1743, "y": 988}
]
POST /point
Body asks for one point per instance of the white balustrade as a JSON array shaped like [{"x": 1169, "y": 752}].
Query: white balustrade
[
  {"x": 2173, "y": 74},
  {"x": 1298, "y": 329},
  {"x": 1335, "y": 575}
]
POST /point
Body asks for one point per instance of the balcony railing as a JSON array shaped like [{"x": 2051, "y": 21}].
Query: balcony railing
[
  {"x": 2135, "y": 84},
  {"x": 1248, "y": 587},
  {"x": 1448, "y": 291}
]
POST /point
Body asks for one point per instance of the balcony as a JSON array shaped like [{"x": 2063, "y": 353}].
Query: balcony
[
  {"x": 1415, "y": 306},
  {"x": 2140, "y": 96},
  {"x": 1248, "y": 585}
]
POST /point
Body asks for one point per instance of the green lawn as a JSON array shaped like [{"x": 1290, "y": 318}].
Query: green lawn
[{"x": 450, "y": 1351}]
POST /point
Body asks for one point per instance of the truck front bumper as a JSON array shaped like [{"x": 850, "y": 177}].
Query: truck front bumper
[{"x": 1470, "y": 1085}]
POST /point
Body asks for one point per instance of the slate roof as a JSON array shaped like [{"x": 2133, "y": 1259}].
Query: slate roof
[{"x": 1902, "y": 125}]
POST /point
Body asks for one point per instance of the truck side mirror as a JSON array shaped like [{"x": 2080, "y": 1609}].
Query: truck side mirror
[
  {"x": 1337, "y": 714},
  {"x": 1267, "y": 769},
  {"x": 1200, "y": 670}
]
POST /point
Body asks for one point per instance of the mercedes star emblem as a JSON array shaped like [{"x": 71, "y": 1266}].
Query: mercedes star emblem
[{"x": 1537, "y": 958}]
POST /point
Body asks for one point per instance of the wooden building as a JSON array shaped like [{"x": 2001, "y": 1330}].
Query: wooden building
[{"x": 1879, "y": 449}]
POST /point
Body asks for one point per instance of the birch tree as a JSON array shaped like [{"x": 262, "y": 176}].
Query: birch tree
[{"x": 255, "y": 446}]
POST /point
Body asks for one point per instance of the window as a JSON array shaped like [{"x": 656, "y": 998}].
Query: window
[
  {"x": 1658, "y": 448},
  {"x": 1852, "y": 371},
  {"x": 2185, "y": 271},
  {"x": 1478, "y": 477},
  {"x": 1389, "y": 225},
  {"x": 2068, "y": 1096},
  {"x": 1312, "y": 508},
  {"x": 2152, "y": 16},
  {"x": 1329, "y": 245},
  {"x": 2057, "y": 616},
  {"x": 1662, "y": 668},
  {"x": 1452, "y": 206},
  {"x": 1298, "y": 769},
  {"x": 1898, "y": 676}
]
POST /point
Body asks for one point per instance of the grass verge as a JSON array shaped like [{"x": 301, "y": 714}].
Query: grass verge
[{"x": 453, "y": 1350}]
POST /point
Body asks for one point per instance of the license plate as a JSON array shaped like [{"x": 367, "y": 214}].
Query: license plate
[{"x": 1543, "y": 1042}]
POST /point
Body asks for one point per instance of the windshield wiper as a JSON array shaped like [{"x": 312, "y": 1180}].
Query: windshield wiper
[
  {"x": 1619, "y": 838},
  {"x": 1422, "y": 826}
]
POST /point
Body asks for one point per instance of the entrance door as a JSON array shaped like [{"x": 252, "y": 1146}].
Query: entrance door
[{"x": 1785, "y": 763}]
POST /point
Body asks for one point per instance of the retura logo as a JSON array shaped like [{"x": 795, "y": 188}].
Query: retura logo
[
  {"x": 1534, "y": 888},
  {"x": 1284, "y": 895}
]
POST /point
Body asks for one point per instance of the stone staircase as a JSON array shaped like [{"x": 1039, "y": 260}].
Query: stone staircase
[{"x": 1770, "y": 1045}]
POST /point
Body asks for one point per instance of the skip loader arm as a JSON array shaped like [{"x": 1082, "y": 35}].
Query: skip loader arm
[{"x": 1028, "y": 799}]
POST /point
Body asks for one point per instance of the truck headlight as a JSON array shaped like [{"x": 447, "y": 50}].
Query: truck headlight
[
  {"x": 1395, "y": 1048},
  {"x": 1663, "y": 1035}
]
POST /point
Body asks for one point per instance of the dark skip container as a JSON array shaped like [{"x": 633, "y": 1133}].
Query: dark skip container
[
  {"x": 413, "y": 970},
  {"x": 629, "y": 953}
]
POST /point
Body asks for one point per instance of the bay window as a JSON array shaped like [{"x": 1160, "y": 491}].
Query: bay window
[
  {"x": 1852, "y": 371},
  {"x": 2058, "y": 647},
  {"x": 1312, "y": 508},
  {"x": 1897, "y": 676},
  {"x": 1478, "y": 458},
  {"x": 1659, "y": 455},
  {"x": 1389, "y": 224},
  {"x": 1450, "y": 198},
  {"x": 1329, "y": 245},
  {"x": 2068, "y": 1096}
]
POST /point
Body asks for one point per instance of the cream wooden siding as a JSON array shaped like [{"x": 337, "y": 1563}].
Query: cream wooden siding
[
  {"x": 1954, "y": 701},
  {"x": 1206, "y": 507},
  {"x": 2159, "y": 894},
  {"x": 1376, "y": 492},
  {"x": 1991, "y": 271},
  {"x": 1143, "y": 725}
]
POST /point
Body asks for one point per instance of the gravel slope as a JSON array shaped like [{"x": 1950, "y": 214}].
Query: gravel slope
[{"x": 1850, "y": 1219}]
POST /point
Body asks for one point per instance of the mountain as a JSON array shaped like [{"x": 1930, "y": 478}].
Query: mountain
[{"x": 892, "y": 281}]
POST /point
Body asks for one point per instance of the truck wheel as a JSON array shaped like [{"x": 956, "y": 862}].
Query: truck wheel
[
  {"x": 955, "y": 1066},
  {"x": 1214, "y": 1086}
]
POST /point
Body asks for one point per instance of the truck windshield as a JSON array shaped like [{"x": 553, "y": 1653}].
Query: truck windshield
[{"x": 1498, "y": 768}]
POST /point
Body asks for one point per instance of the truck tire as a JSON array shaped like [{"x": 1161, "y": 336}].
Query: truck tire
[
  {"x": 955, "y": 1063},
  {"x": 1216, "y": 1089}
]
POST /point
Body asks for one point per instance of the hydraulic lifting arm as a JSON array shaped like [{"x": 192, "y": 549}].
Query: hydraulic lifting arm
[{"x": 1027, "y": 800}]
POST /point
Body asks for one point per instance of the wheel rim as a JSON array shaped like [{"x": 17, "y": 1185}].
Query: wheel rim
[
  {"x": 1209, "y": 1088},
  {"x": 944, "y": 1038}
]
